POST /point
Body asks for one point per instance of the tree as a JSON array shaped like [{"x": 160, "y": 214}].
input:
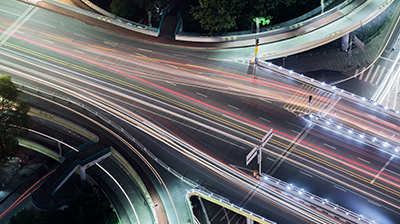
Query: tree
[
  {"x": 14, "y": 119},
  {"x": 125, "y": 8},
  {"x": 215, "y": 16}
]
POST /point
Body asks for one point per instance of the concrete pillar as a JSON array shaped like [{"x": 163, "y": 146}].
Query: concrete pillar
[
  {"x": 345, "y": 42},
  {"x": 249, "y": 221},
  {"x": 82, "y": 171}
]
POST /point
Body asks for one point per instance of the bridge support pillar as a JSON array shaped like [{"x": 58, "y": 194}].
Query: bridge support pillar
[
  {"x": 345, "y": 42},
  {"x": 82, "y": 171},
  {"x": 249, "y": 221}
]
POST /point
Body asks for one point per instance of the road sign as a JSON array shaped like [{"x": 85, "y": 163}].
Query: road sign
[
  {"x": 251, "y": 155},
  {"x": 266, "y": 140},
  {"x": 358, "y": 43},
  {"x": 268, "y": 134}
]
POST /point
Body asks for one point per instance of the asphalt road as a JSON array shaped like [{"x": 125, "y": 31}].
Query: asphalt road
[{"x": 201, "y": 116}]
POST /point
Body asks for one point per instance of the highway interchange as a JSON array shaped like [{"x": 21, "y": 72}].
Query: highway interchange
[{"x": 202, "y": 112}]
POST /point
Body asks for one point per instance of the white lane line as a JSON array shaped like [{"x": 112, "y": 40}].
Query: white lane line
[
  {"x": 265, "y": 100},
  {"x": 171, "y": 83},
  {"x": 200, "y": 94},
  {"x": 141, "y": 49},
  {"x": 329, "y": 146},
  {"x": 378, "y": 78},
  {"x": 172, "y": 66},
  {"x": 356, "y": 71},
  {"x": 141, "y": 55},
  {"x": 304, "y": 173},
  {"x": 271, "y": 159},
  {"x": 366, "y": 161},
  {"x": 383, "y": 168},
  {"x": 374, "y": 75},
  {"x": 392, "y": 172},
  {"x": 296, "y": 132},
  {"x": 337, "y": 187},
  {"x": 374, "y": 203},
  {"x": 233, "y": 107},
  {"x": 78, "y": 34},
  {"x": 362, "y": 74},
  {"x": 180, "y": 55},
  {"x": 45, "y": 24},
  {"x": 50, "y": 42},
  {"x": 369, "y": 73},
  {"x": 20, "y": 32},
  {"x": 264, "y": 119},
  {"x": 78, "y": 51},
  {"x": 110, "y": 43}
]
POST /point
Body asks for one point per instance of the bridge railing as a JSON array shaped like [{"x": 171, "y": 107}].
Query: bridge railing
[{"x": 287, "y": 26}]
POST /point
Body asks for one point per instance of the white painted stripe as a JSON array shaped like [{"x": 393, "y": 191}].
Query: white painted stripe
[
  {"x": 383, "y": 168},
  {"x": 180, "y": 55},
  {"x": 200, "y": 94},
  {"x": 145, "y": 50},
  {"x": 296, "y": 132},
  {"x": 78, "y": 34},
  {"x": 141, "y": 55},
  {"x": 78, "y": 51},
  {"x": 366, "y": 161},
  {"x": 45, "y": 24},
  {"x": 380, "y": 75},
  {"x": 264, "y": 119},
  {"x": 233, "y": 107},
  {"x": 356, "y": 72},
  {"x": 110, "y": 43},
  {"x": 329, "y": 146},
  {"x": 392, "y": 172},
  {"x": 374, "y": 75},
  {"x": 374, "y": 203},
  {"x": 307, "y": 174},
  {"x": 362, "y": 74},
  {"x": 170, "y": 83},
  {"x": 369, "y": 73},
  {"x": 48, "y": 41},
  {"x": 20, "y": 32},
  {"x": 337, "y": 187},
  {"x": 265, "y": 100},
  {"x": 271, "y": 159}
]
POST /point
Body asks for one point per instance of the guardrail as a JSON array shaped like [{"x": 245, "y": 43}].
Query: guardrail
[
  {"x": 341, "y": 92},
  {"x": 266, "y": 31},
  {"x": 177, "y": 174},
  {"x": 118, "y": 21}
]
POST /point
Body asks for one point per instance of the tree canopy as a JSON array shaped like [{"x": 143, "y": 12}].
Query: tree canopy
[{"x": 14, "y": 119}]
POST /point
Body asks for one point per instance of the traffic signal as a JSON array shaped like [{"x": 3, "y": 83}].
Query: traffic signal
[
  {"x": 310, "y": 99},
  {"x": 257, "y": 42}
]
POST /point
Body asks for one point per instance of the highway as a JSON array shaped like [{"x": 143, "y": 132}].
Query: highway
[{"x": 203, "y": 116}]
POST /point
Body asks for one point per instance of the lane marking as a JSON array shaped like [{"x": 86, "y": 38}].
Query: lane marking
[
  {"x": 180, "y": 55},
  {"x": 141, "y": 49},
  {"x": 393, "y": 172},
  {"x": 78, "y": 51},
  {"x": 50, "y": 42},
  {"x": 20, "y": 32},
  {"x": 200, "y": 94},
  {"x": 45, "y": 24},
  {"x": 78, "y": 34},
  {"x": 264, "y": 119},
  {"x": 271, "y": 159},
  {"x": 296, "y": 132},
  {"x": 339, "y": 188},
  {"x": 265, "y": 100},
  {"x": 170, "y": 83},
  {"x": 366, "y": 161},
  {"x": 141, "y": 55},
  {"x": 383, "y": 168},
  {"x": 329, "y": 146},
  {"x": 374, "y": 75},
  {"x": 307, "y": 174},
  {"x": 374, "y": 203},
  {"x": 233, "y": 107}
]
